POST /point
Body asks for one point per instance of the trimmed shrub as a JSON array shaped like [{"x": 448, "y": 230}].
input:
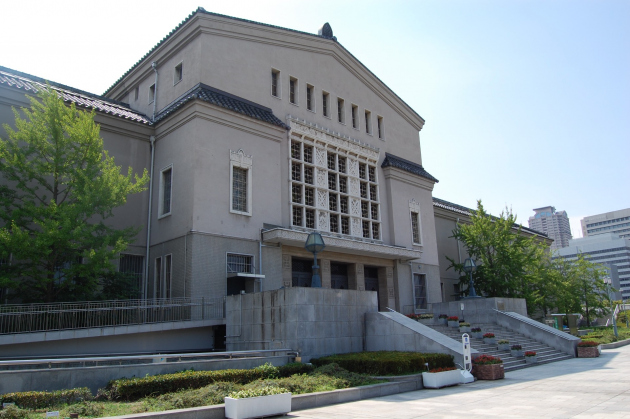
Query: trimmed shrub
[
  {"x": 87, "y": 409},
  {"x": 44, "y": 399},
  {"x": 257, "y": 392},
  {"x": 137, "y": 388},
  {"x": 294, "y": 368},
  {"x": 386, "y": 363},
  {"x": 13, "y": 412}
]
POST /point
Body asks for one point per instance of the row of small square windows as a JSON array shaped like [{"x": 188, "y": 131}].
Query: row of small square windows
[{"x": 310, "y": 104}]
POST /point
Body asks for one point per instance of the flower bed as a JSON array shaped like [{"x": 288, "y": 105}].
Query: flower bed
[
  {"x": 531, "y": 357},
  {"x": 588, "y": 349},
  {"x": 488, "y": 367},
  {"x": 453, "y": 321},
  {"x": 489, "y": 338}
]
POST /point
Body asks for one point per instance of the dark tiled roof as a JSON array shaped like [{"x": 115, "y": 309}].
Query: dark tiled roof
[
  {"x": 204, "y": 11},
  {"x": 406, "y": 165},
  {"x": 440, "y": 203},
  {"x": 33, "y": 84},
  {"x": 225, "y": 100}
]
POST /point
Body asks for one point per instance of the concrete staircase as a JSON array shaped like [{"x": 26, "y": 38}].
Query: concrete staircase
[{"x": 546, "y": 354}]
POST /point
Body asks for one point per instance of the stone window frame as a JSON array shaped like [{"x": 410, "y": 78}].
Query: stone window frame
[
  {"x": 294, "y": 91},
  {"x": 353, "y": 152},
  {"x": 277, "y": 85},
  {"x": 313, "y": 102},
  {"x": 163, "y": 192},
  {"x": 414, "y": 213},
  {"x": 178, "y": 73},
  {"x": 240, "y": 160}
]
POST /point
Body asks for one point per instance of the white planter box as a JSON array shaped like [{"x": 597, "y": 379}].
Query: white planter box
[
  {"x": 255, "y": 407},
  {"x": 441, "y": 379},
  {"x": 453, "y": 323}
]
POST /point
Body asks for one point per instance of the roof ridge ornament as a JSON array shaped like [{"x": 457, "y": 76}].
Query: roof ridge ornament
[{"x": 326, "y": 31}]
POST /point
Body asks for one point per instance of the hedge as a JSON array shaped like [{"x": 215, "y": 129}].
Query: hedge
[
  {"x": 44, "y": 399},
  {"x": 387, "y": 363},
  {"x": 137, "y": 388}
]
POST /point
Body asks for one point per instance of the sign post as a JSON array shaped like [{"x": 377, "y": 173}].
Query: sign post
[{"x": 467, "y": 377}]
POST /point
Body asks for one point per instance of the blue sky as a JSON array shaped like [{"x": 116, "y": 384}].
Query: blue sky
[{"x": 526, "y": 102}]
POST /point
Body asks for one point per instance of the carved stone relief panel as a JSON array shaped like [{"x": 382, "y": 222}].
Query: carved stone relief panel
[
  {"x": 322, "y": 218},
  {"x": 326, "y": 266},
  {"x": 322, "y": 178},
  {"x": 320, "y": 157},
  {"x": 353, "y": 167},
  {"x": 355, "y": 207},
  {"x": 322, "y": 199},
  {"x": 354, "y": 186},
  {"x": 286, "y": 262},
  {"x": 357, "y": 227}
]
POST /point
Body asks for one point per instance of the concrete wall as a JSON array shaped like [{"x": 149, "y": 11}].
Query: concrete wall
[
  {"x": 149, "y": 338},
  {"x": 313, "y": 321},
  {"x": 481, "y": 310},
  {"x": 98, "y": 377},
  {"x": 389, "y": 331},
  {"x": 538, "y": 331}
]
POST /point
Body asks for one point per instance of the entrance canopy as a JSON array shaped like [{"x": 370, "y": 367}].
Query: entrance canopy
[{"x": 342, "y": 245}]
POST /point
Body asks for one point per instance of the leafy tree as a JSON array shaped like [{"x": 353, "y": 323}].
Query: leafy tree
[
  {"x": 507, "y": 261},
  {"x": 60, "y": 187}
]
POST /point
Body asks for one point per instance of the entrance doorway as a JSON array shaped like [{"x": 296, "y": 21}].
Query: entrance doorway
[
  {"x": 371, "y": 282},
  {"x": 302, "y": 272},
  {"x": 339, "y": 276}
]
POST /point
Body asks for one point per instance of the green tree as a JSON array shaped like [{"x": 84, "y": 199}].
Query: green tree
[
  {"x": 59, "y": 188},
  {"x": 508, "y": 261}
]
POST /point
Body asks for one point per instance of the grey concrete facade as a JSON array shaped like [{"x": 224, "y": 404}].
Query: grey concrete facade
[
  {"x": 481, "y": 310},
  {"x": 313, "y": 321}
]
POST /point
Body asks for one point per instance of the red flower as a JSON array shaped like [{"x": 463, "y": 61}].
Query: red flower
[
  {"x": 453, "y": 319},
  {"x": 587, "y": 344},
  {"x": 487, "y": 360},
  {"x": 530, "y": 353},
  {"x": 488, "y": 335}
]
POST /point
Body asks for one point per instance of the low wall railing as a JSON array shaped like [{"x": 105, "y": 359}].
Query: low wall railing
[{"x": 30, "y": 318}]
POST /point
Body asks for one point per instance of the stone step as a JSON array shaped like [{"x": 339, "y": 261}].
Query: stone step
[{"x": 545, "y": 353}]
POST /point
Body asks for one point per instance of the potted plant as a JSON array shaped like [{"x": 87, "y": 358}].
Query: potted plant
[
  {"x": 453, "y": 321},
  {"x": 516, "y": 351},
  {"x": 441, "y": 377},
  {"x": 488, "y": 367},
  {"x": 254, "y": 403},
  {"x": 425, "y": 318},
  {"x": 464, "y": 327},
  {"x": 489, "y": 338},
  {"x": 413, "y": 316},
  {"x": 476, "y": 332},
  {"x": 588, "y": 349},
  {"x": 442, "y": 319},
  {"x": 530, "y": 357},
  {"x": 503, "y": 345}
]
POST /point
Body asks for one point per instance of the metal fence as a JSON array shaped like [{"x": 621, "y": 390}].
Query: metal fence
[{"x": 28, "y": 318}]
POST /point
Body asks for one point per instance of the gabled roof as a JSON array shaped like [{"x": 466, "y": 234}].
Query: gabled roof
[
  {"x": 33, "y": 84},
  {"x": 406, "y": 165},
  {"x": 440, "y": 203},
  {"x": 204, "y": 11},
  {"x": 225, "y": 100}
]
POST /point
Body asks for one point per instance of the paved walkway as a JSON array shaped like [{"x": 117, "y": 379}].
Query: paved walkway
[{"x": 575, "y": 388}]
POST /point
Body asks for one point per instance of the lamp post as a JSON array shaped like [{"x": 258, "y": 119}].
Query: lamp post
[
  {"x": 608, "y": 283},
  {"x": 469, "y": 267},
  {"x": 315, "y": 244}
]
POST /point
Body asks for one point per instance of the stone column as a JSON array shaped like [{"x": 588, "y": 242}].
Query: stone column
[
  {"x": 324, "y": 266},
  {"x": 287, "y": 271},
  {"x": 355, "y": 277},
  {"x": 387, "y": 296}
]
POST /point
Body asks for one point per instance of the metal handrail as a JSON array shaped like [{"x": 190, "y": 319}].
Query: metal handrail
[
  {"x": 230, "y": 355},
  {"x": 31, "y": 318},
  {"x": 535, "y": 323}
]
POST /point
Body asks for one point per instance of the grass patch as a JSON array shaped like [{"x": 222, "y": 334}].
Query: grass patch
[{"x": 607, "y": 334}]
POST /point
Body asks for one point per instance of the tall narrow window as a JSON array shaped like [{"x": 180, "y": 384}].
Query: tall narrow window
[
  {"x": 168, "y": 263},
  {"x": 275, "y": 76},
  {"x": 239, "y": 189},
  {"x": 355, "y": 122},
  {"x": 325, "y": 104},
  {"x": 340, "y": 111},
  {"x": 136, "y": 93},
  {"x": 240, "y": 183},
  {"x": 293, "y": 90},
  {"x": 157, "y": 278},
  {"x": 368, "y": 122},
  {"x": 166, "y": 191},
  {"x": 152, "y": 93},
  {"x": 132, "y": 266},
  {"x": 420, "y": 291},
  {"x": 309, "y": 97},
  {"x": 379, "y": 121},
  {"x": 179, "y": 73},
  {"x": 415, "y": 227}
]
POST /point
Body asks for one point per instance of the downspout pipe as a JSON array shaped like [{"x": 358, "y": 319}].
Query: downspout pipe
[
  {"x": 155, "y": 91},
  {"x": 146, "y": 267}
]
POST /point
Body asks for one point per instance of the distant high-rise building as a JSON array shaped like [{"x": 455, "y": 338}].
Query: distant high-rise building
[
  {"x": 609, "y": 250},
  {"x": 617, "y": 222},
  {"x": 554, "y": 224}
]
